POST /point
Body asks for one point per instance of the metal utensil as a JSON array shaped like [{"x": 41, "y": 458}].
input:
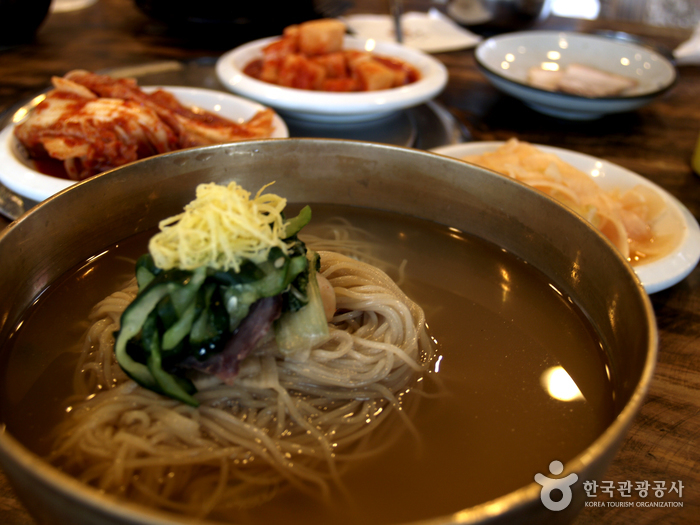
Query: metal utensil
[{"x": 396, "y": 12}]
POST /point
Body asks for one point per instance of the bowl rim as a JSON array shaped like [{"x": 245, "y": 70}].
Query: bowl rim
[
  {"x": 17, "y": 454},
  {"x": 434, "y": 76},
  {"x": 483, "y": 65}
]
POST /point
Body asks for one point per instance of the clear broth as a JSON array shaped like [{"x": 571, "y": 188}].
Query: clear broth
[{"x": 498, "y": 323}]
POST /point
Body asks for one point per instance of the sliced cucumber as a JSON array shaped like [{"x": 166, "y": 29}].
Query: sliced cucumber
[{"x": 307, "y": 326}]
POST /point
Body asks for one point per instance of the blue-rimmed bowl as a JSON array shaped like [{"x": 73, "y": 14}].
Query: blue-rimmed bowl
[{"x": 506, "y": 60}]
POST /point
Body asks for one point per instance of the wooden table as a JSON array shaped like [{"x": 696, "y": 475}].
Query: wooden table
[{"x": 656, "y": 141}]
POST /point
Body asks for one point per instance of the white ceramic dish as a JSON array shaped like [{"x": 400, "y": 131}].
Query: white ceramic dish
[
  {"x": 432, "y": 32},
  {"x": 656, "y": 275},
  {"x": 506, "y": 59},
  {"x": 18, "y": 174},
  {"x": 334, "y": 107}
]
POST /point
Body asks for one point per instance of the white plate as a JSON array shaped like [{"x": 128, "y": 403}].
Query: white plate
[
  {"x": 19, "y": 176},
  {"x": 431, "y": 32},
  {"x": 323, "y": 106},
  {"x": 656, "y": 275},
  {"x": 506, "y": 59}
]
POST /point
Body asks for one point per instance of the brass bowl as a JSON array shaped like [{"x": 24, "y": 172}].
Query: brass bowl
[{"x": 77, "y": 223}]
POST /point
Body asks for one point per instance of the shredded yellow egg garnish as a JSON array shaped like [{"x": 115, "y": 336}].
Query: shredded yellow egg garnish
[{"x": 221, "y": 228}]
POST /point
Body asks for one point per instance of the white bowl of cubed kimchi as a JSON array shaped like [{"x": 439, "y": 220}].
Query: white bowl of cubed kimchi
[{"x": 339, "y": 102}]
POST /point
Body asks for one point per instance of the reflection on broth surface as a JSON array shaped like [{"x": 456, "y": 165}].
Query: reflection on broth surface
[{"x": 510, "y": 347}]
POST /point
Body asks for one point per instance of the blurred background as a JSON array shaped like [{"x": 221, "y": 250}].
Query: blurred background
[{"x": 236, "y": 21}]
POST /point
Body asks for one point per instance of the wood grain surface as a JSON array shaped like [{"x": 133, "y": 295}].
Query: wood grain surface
[{"x": 656, "y": 142}]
